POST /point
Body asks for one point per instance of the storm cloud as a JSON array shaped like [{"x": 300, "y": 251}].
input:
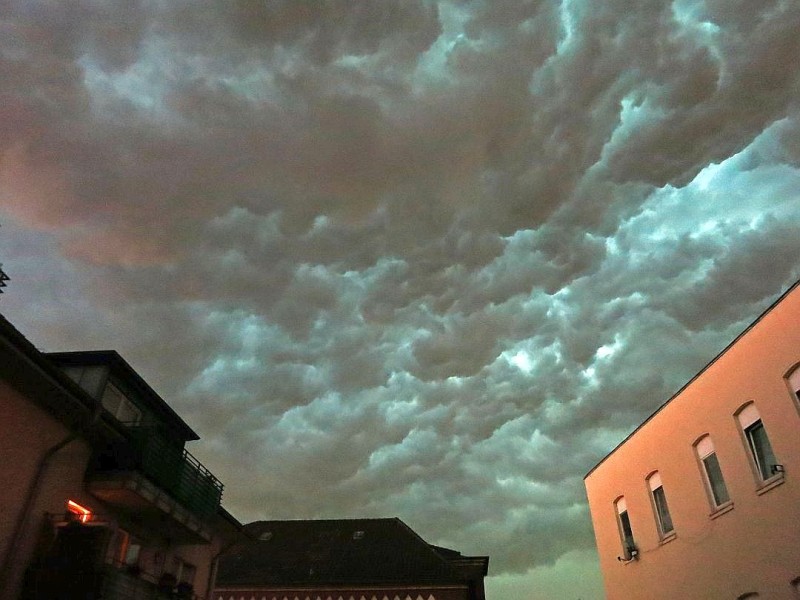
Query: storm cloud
[{"x": 430, "y": 259}]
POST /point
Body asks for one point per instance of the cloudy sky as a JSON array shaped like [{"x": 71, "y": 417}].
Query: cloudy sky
[{"x": 415, "y": 258}]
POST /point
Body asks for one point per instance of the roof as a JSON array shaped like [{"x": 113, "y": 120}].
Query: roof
[
  {"x": 26, "y": 368},
  {"x": 698, "y": 374},
  {"x": 123, "y": 371},
  {"x": 337, "y": 551}
]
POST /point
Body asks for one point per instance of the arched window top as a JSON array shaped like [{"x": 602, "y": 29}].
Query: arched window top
[
  {"x": 748, "y": 414},
  {"x": 747, "y": 596},
  {"x": 620, "y": 505},
  {"x": 704, "y": 446},
  {"x": 654, "y": 480}
]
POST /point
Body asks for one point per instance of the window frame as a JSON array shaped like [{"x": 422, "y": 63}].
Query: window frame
[
  {"x": 704, "y": 448},
  {"x": 112, "y": 392},
  {"x": 655, "y": 484},
  {"x": 748, "y": 419},
  {"x": 792, "y": 379},
  {"x": 180, "y": 567},
  {"x": 629, "y": 548}
]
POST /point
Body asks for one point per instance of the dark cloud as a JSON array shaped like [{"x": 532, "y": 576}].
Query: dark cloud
[{"x": 426, "y": 259}]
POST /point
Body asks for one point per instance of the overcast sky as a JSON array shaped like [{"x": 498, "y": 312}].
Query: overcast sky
[{"x": 404, "y": 258}]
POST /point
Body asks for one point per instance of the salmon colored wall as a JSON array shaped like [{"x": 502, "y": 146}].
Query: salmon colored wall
[{"x": 755, "y": 546}]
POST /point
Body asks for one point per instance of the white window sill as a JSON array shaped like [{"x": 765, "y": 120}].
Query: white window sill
[
  {"x": 770, "y": 483},
  {"x": 668, "y": 538},
  {"x": 721, "y": 510}
]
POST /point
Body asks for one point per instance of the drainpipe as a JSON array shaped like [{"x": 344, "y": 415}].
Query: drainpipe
[
  {"x": 212, "y": 572},
  {"x": 30, "y": 498}
]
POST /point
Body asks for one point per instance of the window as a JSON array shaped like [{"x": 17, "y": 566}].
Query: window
[
  {"x": 625, "y": 531},
  {"x": 795, "y": 583},
  {"x": 715, "y": 483},
  {"x": 132, "y": 551},
  {"x": 184, "y": 572},
  {"x": 90, "y": 379},
  {"x": 660, "y": 504},
  {"x": 794, "y": 382},
  {"x": 115, "y": 402},
  {"x": 758, "y": 442}
]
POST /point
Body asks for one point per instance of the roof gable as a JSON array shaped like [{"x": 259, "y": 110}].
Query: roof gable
[
  {"x": 122, "y": 372},
  {"x": 336, "y": 551}
]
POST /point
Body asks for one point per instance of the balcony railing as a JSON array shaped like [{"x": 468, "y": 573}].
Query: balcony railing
[{"x": 172, "y": 468}]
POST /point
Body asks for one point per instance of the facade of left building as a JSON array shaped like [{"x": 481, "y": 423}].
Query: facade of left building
[{"x": 101, "y": 498}]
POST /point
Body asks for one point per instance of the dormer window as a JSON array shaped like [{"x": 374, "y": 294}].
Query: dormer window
[{"x": 115, "y": 402}]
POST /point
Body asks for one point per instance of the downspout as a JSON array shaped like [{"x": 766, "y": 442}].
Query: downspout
[
  {"x": 33, "y": 491},
  {"x": 212, "y": 572}
]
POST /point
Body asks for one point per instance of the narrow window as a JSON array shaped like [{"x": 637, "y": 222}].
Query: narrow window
[
  {"x": 126, "y": 548},
  {"x": 757, "y": 440},
  {"x": 625, "y": 531},
  {"x": 660, "y": 503},
  {"x": 115, "y": 402},
  {"x": 188, "y": 573},
  {"x": 794, "y": 382},
  {"x": 713, "y": 474},
  {"x": 132, "y": 553}
]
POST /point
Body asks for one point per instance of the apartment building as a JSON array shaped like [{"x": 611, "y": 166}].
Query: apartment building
[
  {"x": 702, "y": 500},
  {"x": 101, "y": 497},
  {"x": 346, "y": 559}
]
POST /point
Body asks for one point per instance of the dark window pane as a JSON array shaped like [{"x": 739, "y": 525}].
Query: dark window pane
[
  {"x": 715, "y": 480},
  {"x": 625, "y": 521},
  {"x": 761, "y": 448},
  {"x": 665, "y": 521}
]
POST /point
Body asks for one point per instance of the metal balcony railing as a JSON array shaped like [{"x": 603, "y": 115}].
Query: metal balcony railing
[{"x": 175, "y": 470}]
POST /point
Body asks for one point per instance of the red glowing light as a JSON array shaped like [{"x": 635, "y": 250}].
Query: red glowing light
[{"x": 84, "y": 514}]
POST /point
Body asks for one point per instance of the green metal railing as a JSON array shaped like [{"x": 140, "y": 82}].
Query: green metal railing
[{"x": 175, "y": 470}]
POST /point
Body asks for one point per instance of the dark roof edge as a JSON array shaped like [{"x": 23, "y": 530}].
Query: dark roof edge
[
  {"x": 115, "y": 360},
  {"x": 38, "y": 360},
  {"x": 700, "y": 372},
  {"x": 225, "y": 514},
  {"x": 431, "y": 548}
]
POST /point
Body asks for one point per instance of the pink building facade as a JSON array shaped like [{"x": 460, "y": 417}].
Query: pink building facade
[{"x": 703, "y": 499}]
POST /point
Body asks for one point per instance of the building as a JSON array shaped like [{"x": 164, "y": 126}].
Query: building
[
  {"x": 359, "y": 559},
  {"x": 101, "y": 498},
  {"x": 703, "y": 499}
]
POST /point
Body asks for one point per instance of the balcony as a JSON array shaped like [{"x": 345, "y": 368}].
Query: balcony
[{"x": 150, "y": 474}]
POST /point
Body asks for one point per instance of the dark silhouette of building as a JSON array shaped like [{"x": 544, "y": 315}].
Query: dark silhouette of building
[
  {"x": 102, "y": 500},
  {"x": 346, "y": 558}
]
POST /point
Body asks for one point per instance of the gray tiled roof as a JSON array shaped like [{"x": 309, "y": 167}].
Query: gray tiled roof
[{"x": 340, "y": 551}]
